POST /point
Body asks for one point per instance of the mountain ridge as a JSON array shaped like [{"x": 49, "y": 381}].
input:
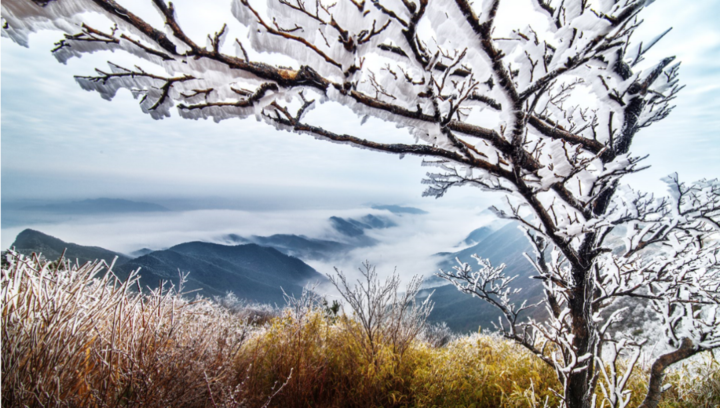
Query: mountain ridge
[
  {"x": 31, "y": 241},
  {"x": 250, "y": 271}
]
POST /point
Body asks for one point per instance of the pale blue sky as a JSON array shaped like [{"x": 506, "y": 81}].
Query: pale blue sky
[
  {"x": 59, "y": 141},
  {"x": 55, "y": 136}
]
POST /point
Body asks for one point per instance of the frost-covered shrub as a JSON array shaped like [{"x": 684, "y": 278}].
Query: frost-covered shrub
[
  {"x": 73, "y": 336},
  {"x": 247, "y": 311},
  {"x": 380, "y": 311},
  {"x": 437, "y": 334}
]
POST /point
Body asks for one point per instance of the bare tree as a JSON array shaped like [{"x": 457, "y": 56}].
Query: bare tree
[
  {"x": 383, "y": 313},
  {"x": 663, "y": 252},
  {"x": 545, "y": 111}
]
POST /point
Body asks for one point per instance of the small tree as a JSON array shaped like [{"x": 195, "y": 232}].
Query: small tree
[
  {"x": 384, "y": 314},
  {"x": 545, "y": 112}
]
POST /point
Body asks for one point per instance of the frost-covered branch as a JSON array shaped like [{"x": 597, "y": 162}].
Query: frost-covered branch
[
  {"x": 383, "y": 312},
  {"x": 545, "y": 113},
  {"x": 490, "y": 284}
]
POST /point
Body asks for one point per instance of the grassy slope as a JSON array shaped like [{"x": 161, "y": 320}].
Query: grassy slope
[{"x": 71, "y": 340}]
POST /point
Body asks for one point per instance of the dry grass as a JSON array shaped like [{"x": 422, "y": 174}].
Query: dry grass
[
  {"x": 330, "y": 368},
  {"x": 695, "y": 384},
  {"x": 71, "y": 340},
  {"x": 73, "y": 336}
]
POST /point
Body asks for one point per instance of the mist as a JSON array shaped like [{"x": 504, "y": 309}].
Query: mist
[{"x": 408, "y": 248}]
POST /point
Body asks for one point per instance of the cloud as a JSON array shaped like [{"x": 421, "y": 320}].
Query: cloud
[
  {"x": 127, "y": 233},
  {"x": 409, "y": 246},
  {"x": 61, "y": 142}
]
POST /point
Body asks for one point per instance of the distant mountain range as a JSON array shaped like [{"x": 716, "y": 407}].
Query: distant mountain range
[
  {"x": 252, "y": 272},
  {"x": 396, "y": 209},
  {"x": 465, "y": 313},
  {"x": 256, "y": 267},
  {"x": 298, "y": 246},
  {"x": 97, "y": 206},
  {"x": 351, "y": 232}
]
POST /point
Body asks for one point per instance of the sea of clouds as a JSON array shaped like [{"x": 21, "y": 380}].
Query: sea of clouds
[{"x": 409, "y": 248}]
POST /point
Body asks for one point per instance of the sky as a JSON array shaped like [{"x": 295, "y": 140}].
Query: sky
[{"x": 62, "y": 143}]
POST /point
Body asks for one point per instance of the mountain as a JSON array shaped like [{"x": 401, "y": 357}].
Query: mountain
[
  {"x": 298, "y": 246},
  {"x": 250, "y": 271},
  {"x": 476, "y": 236},
  {"x": 98, "y": 206},
  {"x": 351, "y": 231},
  {"x": 140, "y": 252},
  {"x": 376, "y": 222},
  {"x": 354, "y": 229},
  {"x": 303, "y": 247},
  {"x": 396, "y": 209},
  {"x": 29, "y": 241},
  {"x": 464, "y": 313},
  {"x": 348, "y": 227}
]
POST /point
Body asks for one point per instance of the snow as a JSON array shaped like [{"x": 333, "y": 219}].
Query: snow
[{"x": 645, "y": 236}]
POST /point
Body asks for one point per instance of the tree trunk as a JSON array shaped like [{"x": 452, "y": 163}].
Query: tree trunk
[
  {"x": 578, "y": 393},
  {"x": 577, "y": 390},
  {"x": 657, "y": 373}
]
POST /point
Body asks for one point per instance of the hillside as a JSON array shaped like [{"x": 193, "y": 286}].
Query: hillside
[
  {"x": 29, "y": 241},
  {"x": 250, "y": 271},
  {"x": 253, "y": 272},
  {"x": 464, "y": 313}
]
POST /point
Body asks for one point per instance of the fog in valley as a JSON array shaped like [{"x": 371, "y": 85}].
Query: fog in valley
[{"x": 409, "y": 246}]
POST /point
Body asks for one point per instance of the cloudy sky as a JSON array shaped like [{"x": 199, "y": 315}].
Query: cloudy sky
[{"x": 60, "y": 142}]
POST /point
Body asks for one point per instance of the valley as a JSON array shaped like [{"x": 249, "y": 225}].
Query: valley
[{"x": 263, "y": 268}]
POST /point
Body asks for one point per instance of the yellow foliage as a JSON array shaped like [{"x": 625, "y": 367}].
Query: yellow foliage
[
  {"x": 71, "y": 340},
  {"x": 331, "y": 369}
]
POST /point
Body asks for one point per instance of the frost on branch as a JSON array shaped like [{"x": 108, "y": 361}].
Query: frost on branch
[
  {"x": 662, "y": 254},
  {"x": 469, "y": 92},
  {"x": 382, "y": 310},
  {"x": 544, "y": 109}
]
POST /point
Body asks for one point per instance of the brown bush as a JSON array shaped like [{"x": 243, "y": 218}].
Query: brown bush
[
  {"x": 74, "y": 336},
  {"x": 71, "y": 337}
]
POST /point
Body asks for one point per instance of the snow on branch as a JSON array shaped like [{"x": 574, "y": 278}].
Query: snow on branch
[{"x": 545, "y": 113}]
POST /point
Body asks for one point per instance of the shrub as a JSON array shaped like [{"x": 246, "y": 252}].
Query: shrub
[
  {"x": 71, "y": 337},
  {"x": 381, "y": 311},
  {"x": 246, "y": 311},
  {"x": 75, "y": 336},
  {"x": 329, "y": 367}
]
